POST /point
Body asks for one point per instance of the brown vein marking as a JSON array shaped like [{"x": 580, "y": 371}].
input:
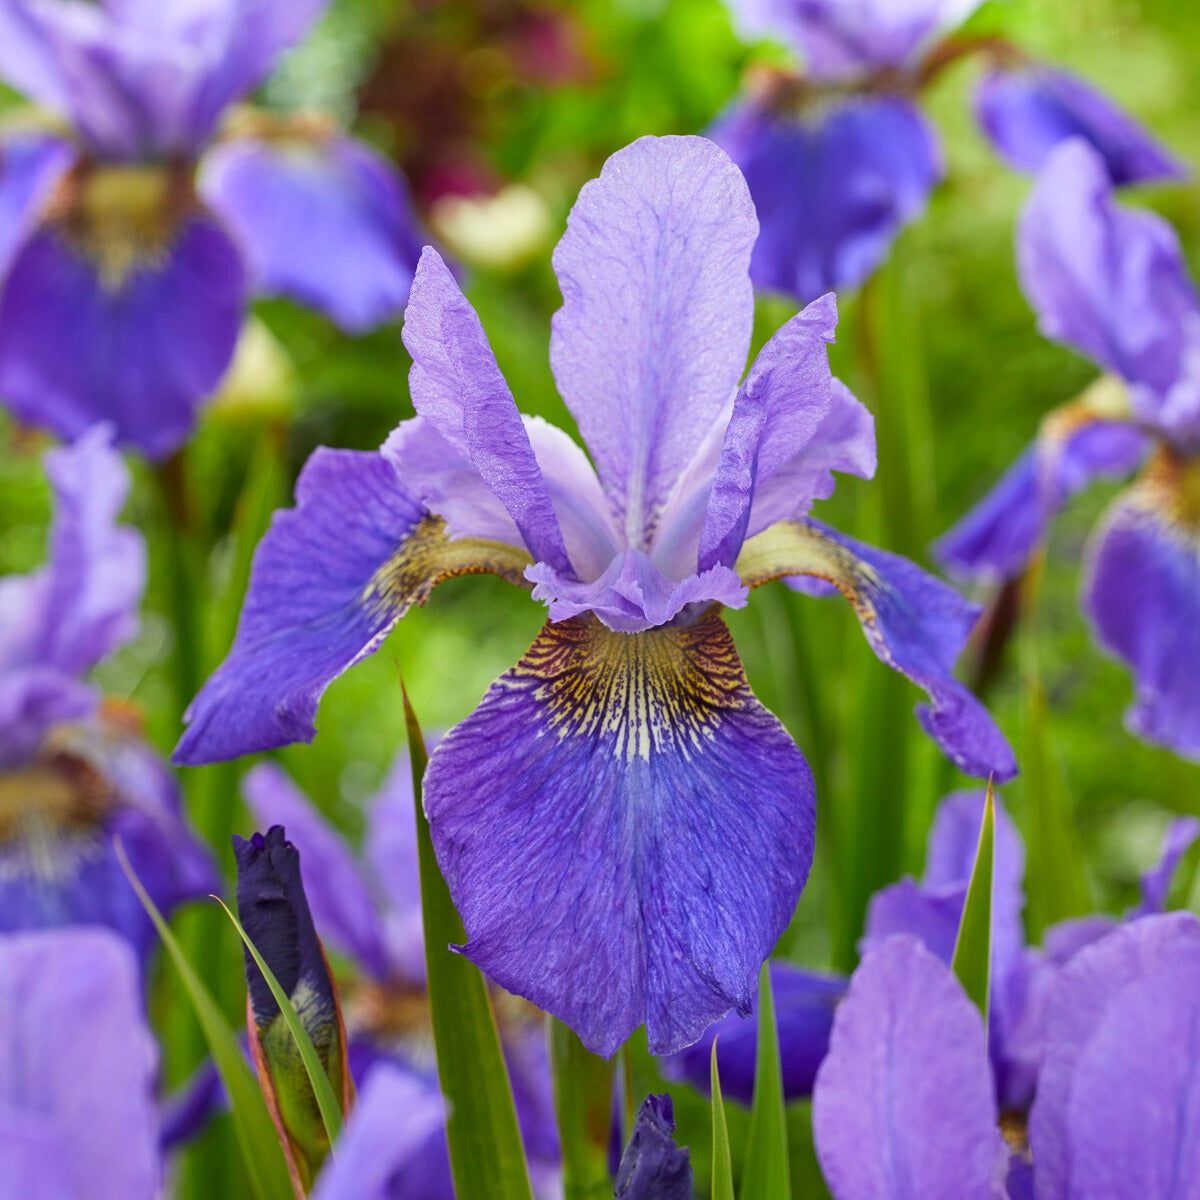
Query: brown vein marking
[
  {"x": 427, "y": 556},
  {"x": 1169, "y": 486},
  {"x": 121, "y": 217},
  {"x": 58, "y": 791},
  {"x": 663, "y": 689}
]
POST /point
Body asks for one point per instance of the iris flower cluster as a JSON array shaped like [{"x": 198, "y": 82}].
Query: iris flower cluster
[
  {"x": 137, "y": 223},
  {"x": 74, "y": 771},
  {"x": 840, "y": 157},
  {"x": 1112, "y": 283},
  {"x": 624, "y": 828}
]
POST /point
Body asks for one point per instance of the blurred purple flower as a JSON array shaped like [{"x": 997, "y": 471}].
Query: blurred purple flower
[
  {"x": 1028, "y": 109},
  {"x": 653, "y": 1167},
  {"x": 1113, "y": 284},
  {"x": 931, "y": 911},
  {"x": 77, "y": 1111},
  {"x": 903, "y": 1103},
  {"x": 369, "y": 909},
  {"x": 626, "y": 746},
  {"x": 111, "y": 245},
  {"x": 73, "y": 774},
  {"x": 840, "y": 157}
]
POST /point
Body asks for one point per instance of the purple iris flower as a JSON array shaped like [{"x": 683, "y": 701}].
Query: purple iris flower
[
  {"x": 653, "y": 1167},
  {"x": 368, "y": 909},
  {"x": 1027, "y": 109},
  {"x": 839, "y": 159},
  {"x": 77, "y": 1073},
  {"x": 136, "y": 242},
  {"x": 931, "y": 911},
  {"x": 903, "y": 1104},
  {"x": 1113, "y": 284},
  {"x": 624, "y": 828},
  {"x": 74, "y": 774}
]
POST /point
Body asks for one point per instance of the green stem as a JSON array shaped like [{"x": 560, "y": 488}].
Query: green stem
[{"x": 583, "y": 1095}]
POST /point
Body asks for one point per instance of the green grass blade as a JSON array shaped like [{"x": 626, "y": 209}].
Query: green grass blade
[
  {"x": 256, "y": 1135},
  {"x": 486, "y": 1157},
  {"x": 583, "y": 1095},
  {"x": 722, "y": 1164},
  {"x": 972, "y": 960},
  {"x": 318, "y": 1078},
  {"x": 766, "y": 1175}
]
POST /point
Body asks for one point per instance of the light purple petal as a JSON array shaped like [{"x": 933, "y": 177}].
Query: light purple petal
[
  {"x": 841, "y": 38},
  {"x": 657, "y": 308},
  {"x": 929, "y": 914},
  {"x": 1116, "y": 1113},
  {"x": 390, "y": 851},
  {"x": 330, "y": 579},
  {"x": 328, "y": 223},
  {"x": 633, "y": 594},
  {"x": 77, "y": 1056},
  {"x": 913, "y": 622},
  {"x": 141, "y": 350},
  {"x": 624, "y": 829},
  {"x": 342, "y": 908},
  {"x": 1028, "y": 111},
  {"x": 1142, "y": 595},
  {"x": 457, "y": 387},
  {"x": 778, "y": 409},
  {"x": 805, "y": 1002},
  {"x": 140, "y": 80},
  {"x": 1156, "y": 883},
  {"x": 995, "y": 540},
  {"x": 903, "y": 1102},
  {"x": 30, "y": 164},
  {"x": 395, "y": 1115},
  {"x": 832, "y": 190},
  {"x": 1109, "y": 281},
  {"x": 58, "y": 622}
]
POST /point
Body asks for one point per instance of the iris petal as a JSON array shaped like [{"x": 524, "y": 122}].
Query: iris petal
[
  {"x": 903, "y": 1101},
  {"x": 330, "y": 579},
  {"x": 657, "y": 309},
  {"x": 1142, "y": 591},
  {"x": 624, "y": 828},
  {"x": 913, "y": 622}
]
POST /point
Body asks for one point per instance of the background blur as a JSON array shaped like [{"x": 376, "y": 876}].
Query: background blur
[{"x": 517, "y": 104}]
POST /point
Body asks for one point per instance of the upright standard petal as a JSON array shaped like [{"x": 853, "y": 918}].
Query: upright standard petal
[
  {"x": 341, "y": 903},
  {"x": 843, "y": 38},
  {"x": 657, "y": 309},
  {"x": 832, "y": 188},
  {"x": 1110, "y": 282},
  {"x": 330, "y": 579},
  {"x": 1156, "y": 882},
  {"x": 786, "y": 395},
  {"x": 1142, "y": 594},
  {"x": 913, "y": 622},
  {"x": 624, "y": 828},
  {"x": 324, "y": 220},
  {"x": 458, "y": 388},
  {"x": 79, "y": 1064},
  {"x": 652, "y": 1166},
  {"x": 1117, "y": 1112},
  {"x": 903, "y": 1101},
  {"x": 1026, "y": 112},
  {"x": 805, "y": 1002},
  {"x": 121, "y": 309}
]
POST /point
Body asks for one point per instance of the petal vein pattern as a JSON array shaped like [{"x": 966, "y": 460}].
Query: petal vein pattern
[
  {"x": 330, "y": 579},
  {"x": 657, "y": 310},
  {"x": 624, "y": 828}
]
